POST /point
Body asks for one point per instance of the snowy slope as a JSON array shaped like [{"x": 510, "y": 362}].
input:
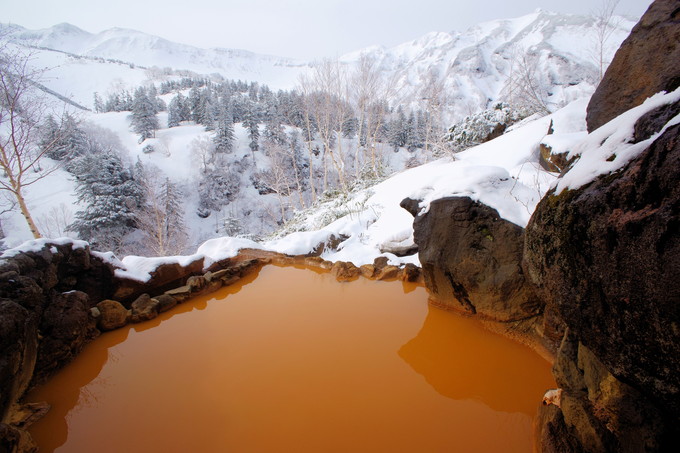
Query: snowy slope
[
  {"x": 472, "y": 66},
  {"x": 503, "y": 174},
  {"x": 131, "y": 46},
  {"x": 78, "y": 78}
]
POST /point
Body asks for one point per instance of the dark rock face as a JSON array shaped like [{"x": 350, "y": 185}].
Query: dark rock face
[
  {"x": 607, "y": 260},
  {"x": 608, "y": 257},
  {"x": 600, "y": 412},
  {"x": 471, "y": 259},
  {"x": 45, "y": 317},
  {"x": 66, "y": 327},
  {"x": 17, "y": 358},
  {"x": 47, "y": 291},
  {"x": 654, "y": 121},
  {"x": 15, "y": 440},
  {"x": 552, "y": 434},
  {"x": 646, "y": 63}
]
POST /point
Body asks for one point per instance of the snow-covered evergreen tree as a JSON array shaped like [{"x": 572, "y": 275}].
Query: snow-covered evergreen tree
[
  {"x": 231, "y": 226},
  {"x": 144, "y": 109},
  {"x": 195, "y": 104},
  {"x": 118, "y": 102},
  {"x": 224, "y": 134},
  {"x": 206, "y": 110},
  {"x": 98, "y": 103},
  {"x": 217, "y": 186},
  {"x": 273, "y": 127},
  {"x": 350, "y": 127},
  {"x": 300, "y": 166},
  {"x": 110, "y": 196},
  {"x": 251, "y": 123},
  {"x": 178, "y": 110},
  {"x": 413, "y": 138},
  {"x": 62, "y": 141},
  {"x": 397, "y": 130},
  {"x": 159, "y": 105},
  {"x": 171, "y": 199}
]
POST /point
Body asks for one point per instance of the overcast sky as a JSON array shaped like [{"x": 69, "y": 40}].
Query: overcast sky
[{"x": 305, "y": 29}]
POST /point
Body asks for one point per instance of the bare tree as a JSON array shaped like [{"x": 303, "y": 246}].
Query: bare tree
[
  {"x": 22, "y": 109},
  {"x": 524, "y": 88},
  {"x": 203, "y": 149},
  {"x": 305, "y": 88},
  {"x": 605, "y": 25},
  {"x": 433, "y": 92},
  {"x": 280, "y": 177},
  {"x": 160, "y": 218},
  {"x": 326, "y": 94},
  {"x": 55, "y": 223},
  {"x": 369, "y": 97}
]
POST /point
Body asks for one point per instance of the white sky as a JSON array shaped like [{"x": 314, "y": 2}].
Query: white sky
[{"x": 305, "y": 29}]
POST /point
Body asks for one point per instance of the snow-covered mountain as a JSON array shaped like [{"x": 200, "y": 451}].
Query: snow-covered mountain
[
  {"x": 141, "y": 49},
  {"x": 474, "y": 65},
  {"x": 461, "y": 72},
  {"x": 470, "y": 68}
]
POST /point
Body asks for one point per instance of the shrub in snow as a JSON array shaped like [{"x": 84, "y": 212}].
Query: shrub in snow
[
  {"x": 148, "y": 149},
  {"x": 483, "y": 126}
]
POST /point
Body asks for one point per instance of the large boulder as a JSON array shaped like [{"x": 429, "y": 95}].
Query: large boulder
[
  {"x": 471, "y": 259},
  {"x": 165, "y": 302},
  {"x": 18, "y": 352},
  {"x": 66, "y": 327},
  {"x": 345, "y": 271},
  {"x": 607, "y": 258},
  {"x": 46, "y": 298},
  {"x": 112, "y": 315},
  {"x": 646, "y": 63},
  {"x": 144, "y": 308}
]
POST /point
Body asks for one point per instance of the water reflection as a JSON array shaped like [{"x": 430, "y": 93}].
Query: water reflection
[
  {"x": 81, "y": 384},
  {"x": 296, "y": 363},
  {"x": 461, "y": 361},
  {"x": 80, "y": 388}
]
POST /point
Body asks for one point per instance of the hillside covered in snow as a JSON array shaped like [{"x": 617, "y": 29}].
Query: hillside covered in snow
[
  {"x": 467, "y": 70},
  {"x": 251, "y": 154}
]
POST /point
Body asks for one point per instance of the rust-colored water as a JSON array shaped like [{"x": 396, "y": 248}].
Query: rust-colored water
[{"x": 296, "y": 362}]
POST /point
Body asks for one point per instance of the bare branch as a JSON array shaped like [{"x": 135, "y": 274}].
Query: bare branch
[{"x": 22, "y": 109}]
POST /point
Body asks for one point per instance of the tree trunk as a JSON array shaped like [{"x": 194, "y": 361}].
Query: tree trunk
[{"x": 27, "y": 215}]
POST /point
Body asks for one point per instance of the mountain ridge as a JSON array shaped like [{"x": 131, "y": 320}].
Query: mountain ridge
[{"x": 472, "y": 65}]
